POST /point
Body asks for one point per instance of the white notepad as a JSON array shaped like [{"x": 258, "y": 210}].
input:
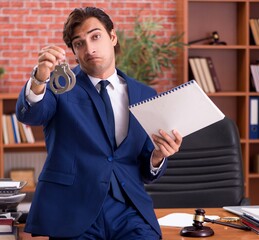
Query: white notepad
[{"x": 185, "y": 108}]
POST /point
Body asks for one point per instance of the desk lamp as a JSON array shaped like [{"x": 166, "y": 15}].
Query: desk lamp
[{"x": 214, "y": 37}]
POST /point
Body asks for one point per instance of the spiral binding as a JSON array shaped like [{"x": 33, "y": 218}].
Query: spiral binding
[{"x": 163, "y": 94}]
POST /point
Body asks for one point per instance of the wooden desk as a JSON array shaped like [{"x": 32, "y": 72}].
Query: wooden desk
[
  {"x": 173, "y": 233},
  {"x": 220, "y": 232}
]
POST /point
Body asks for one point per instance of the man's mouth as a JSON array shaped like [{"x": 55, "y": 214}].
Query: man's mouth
[{"x": 91, "y": 58}]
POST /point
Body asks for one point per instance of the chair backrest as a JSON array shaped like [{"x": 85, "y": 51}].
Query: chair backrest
[{"x": 206, "y": 172}]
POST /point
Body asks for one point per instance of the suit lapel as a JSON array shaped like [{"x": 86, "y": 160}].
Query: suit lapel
[
  {"x": 134, "y": 91},
  {"x": 134, "y": 94},
  {"x": 87, "y": 85}
]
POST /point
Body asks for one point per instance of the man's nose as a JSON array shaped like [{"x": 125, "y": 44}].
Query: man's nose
[{"x": 90, "y": 48}]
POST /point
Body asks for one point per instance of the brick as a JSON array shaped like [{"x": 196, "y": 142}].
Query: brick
[
  {"x": 4, "y": 4},
  {"x": 61, "y": 4},
  {"x": 15, "y": 11},
  {"x": 47, "y": 19},
  {"x": 17, "y": 33},
  {"x": 15, "y": 54},
  {"x": 16, "y": 4},
  {"x": 47, "y": 5},
  {"x": 7, "y": 26},
  {"x": 31, "y": 4},
  {"x": 4, "y": 19},
  {"x": 32, "y": 33},
  {"x": 16, "y": 40}
]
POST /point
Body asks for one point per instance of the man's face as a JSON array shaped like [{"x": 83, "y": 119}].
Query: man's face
[{"x": 94, "y": 48}]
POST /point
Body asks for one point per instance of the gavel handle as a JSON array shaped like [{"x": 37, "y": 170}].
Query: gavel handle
[
  {"x": 228, "y": 224},
  {"x": 199, "y": 40}
]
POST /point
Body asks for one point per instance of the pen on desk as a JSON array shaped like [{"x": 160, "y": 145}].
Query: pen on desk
[{"x": 228, "y": 224}]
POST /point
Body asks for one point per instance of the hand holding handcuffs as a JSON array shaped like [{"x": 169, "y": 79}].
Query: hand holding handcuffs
[{"x": 62, "y": 70}]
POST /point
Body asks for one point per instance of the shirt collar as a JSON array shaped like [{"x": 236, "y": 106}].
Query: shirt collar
[{"x": 113, "y": 79}]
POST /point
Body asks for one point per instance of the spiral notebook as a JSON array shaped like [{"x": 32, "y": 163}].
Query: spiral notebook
[{"x": 185, "y": 108}]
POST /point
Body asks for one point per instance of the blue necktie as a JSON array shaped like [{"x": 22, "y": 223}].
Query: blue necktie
[
  {"x": 108, "y": 108},
  {"x": 116, "y": 191}
]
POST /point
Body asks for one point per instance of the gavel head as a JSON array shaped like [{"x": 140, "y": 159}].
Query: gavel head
[
  {"x": 215, "y": 36},
  {"x": 198, "y": 218},
  {"x": 215, "y": 39}
]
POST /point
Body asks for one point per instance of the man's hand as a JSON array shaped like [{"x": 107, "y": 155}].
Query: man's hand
[
  {"x": 167, "y": 146},
  {"x": 48, "y": 58}
]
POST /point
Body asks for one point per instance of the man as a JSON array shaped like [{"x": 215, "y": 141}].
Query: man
[{"x": 74, "y": 198}]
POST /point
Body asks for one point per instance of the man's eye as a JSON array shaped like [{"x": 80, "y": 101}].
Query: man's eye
[
  {"x": 96, "y": 36},
  {"x": 78, "y": 44}
]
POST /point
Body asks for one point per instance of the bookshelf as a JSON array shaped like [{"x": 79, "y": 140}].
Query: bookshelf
[
  {"x": 198, "y": 19},
  {"x": 7, "y": 106}
]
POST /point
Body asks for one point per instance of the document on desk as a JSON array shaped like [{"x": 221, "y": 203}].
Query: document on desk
[
  {"x": 240, "y": 210},
  {"x": 180, "y": 219},
  {"x": 186, "y": 108}
]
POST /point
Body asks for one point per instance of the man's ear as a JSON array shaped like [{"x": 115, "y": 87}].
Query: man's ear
[{"x": 114, "y": 37}]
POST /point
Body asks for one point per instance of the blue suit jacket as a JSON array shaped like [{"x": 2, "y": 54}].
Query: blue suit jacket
[{"x": 75, "y": 178}]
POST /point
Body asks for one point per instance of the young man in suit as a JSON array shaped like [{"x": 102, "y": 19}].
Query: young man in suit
[{"x": 74, "y": 198}]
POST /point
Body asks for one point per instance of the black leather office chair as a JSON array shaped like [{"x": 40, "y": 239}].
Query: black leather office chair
[{"x": 206, "y": 172}]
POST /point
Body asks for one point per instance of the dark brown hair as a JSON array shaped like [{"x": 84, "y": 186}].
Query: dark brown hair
[{"x": 78, "y": 16}]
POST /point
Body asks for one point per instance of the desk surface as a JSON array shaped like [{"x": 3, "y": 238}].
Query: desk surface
[
  {"x": 220, "y": 232},
  {"x": 173, "y": 233}
]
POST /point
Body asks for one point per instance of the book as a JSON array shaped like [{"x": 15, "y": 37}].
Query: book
[
  {"x": 28, "y": 133},
  {"x": 251, "y": 220},
  {"x": 6, "y": 225},
  {"x": 10, "y": 129},
  {"x": 17, "y": 136},
  {"x": 254, "y": 164},
  {"x": 4, "y": 127},
  {"x": 194, "y": 71},
  {"x": 22, "y": 133},
  {"x": 201, "y": 74},
  {"x": 253, "y": 118},
  {"x": 245, "y": 222},
  {"x": 213, "y": 74},
  {"x": 240, "y": 210},
  {"x": 207, "y": 74},
  {"x": 186, "y": 108},
  {"x": 252, "y": 213},
  {"x": 253, "y": 27},
  {"x": 12, "y": 235},
  {"x": 255, "y": 76},
  {"x": 256, "y": 23},
  {"x": 6, "y": 236},
  {"x": 6, "y": 221}
]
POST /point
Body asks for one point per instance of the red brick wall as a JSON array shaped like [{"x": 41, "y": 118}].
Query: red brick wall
[{"x": 28, "y": 25}]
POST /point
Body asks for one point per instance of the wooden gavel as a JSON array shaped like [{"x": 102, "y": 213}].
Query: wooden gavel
[
  {"x": 198, "y": 230},
  {"x": 214, "y": 37}
]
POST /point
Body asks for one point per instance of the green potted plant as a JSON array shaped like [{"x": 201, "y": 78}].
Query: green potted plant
[
  {"x": 2, "y": 71},
  {"x": 142, "y": 56}
]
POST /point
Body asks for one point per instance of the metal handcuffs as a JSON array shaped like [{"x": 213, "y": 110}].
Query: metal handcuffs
[{"x": 62, "y": 70}]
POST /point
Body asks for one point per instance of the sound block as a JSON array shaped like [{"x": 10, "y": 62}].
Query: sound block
[{"x": 192, "y": 231}]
